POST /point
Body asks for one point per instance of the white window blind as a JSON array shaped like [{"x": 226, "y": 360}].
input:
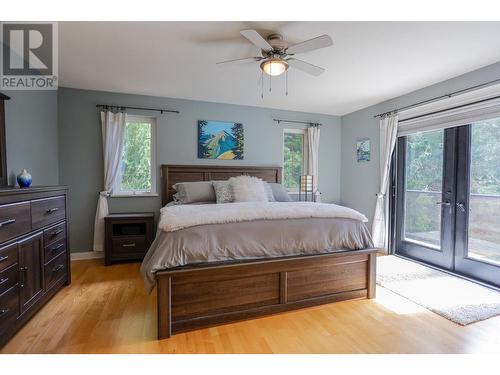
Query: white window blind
[{"x": 459, "y": 110}]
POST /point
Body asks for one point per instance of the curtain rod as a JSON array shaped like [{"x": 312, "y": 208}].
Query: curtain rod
[
  {"x": 298, "y": 122},
  {"x": 161, "y": 110},
  {"x": 441, "y": 97}
]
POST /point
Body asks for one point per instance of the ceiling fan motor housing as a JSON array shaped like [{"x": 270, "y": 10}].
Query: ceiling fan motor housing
[{"x": 277, "y": 42}]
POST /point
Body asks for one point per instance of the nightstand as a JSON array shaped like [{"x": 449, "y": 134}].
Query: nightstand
[{"x": 128, "y": 236}]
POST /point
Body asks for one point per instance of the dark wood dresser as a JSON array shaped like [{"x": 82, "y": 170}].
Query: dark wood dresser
[
  {"x": 128, "y": 236},
  {"x": 34, "y": 252}
]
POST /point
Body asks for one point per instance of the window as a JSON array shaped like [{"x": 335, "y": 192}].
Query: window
[
  {"x": 137, "y": 165},
  {"x": 294, "y": 157}
]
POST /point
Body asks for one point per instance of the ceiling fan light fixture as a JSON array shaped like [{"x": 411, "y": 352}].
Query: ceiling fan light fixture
[{"x": 274, "y": 67}]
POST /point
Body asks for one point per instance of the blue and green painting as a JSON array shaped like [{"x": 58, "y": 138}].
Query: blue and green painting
[
  {"x": 363, "y": 150},
  {"x": 220, "y": 140}
]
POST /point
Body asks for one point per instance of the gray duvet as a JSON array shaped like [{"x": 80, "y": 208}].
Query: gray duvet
[{"x": 251, "y": 240}]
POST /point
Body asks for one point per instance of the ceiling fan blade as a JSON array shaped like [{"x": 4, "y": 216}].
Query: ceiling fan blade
[
  {"x": 310, "y": 45},
  {"x": 240, "y": 61},
  {"x": 257, "y": 39},
  {"x": 305, "y": 67}
]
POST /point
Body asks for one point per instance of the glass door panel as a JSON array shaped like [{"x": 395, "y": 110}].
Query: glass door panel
[
  {"x": 477, "y": 245},
  {"x": 484, "y": 192},
  {"x": 423, "y": 188},
  {"x": 426, "y": 196}
]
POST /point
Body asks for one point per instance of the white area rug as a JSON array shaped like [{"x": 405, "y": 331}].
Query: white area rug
[{"x": 456, "y": 299}]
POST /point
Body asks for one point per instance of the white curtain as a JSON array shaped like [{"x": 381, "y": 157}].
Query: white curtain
[
  {"x": 313, "y": 157},
  {"x": 388, "y": 134},
  {"x": 113, "y": 128}
]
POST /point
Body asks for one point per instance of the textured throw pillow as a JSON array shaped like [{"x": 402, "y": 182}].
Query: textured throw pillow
[
  {"x": 248, "y": 189},
  {"x": 269, "y": 192},
  {"x": 279, "y": 192},
  {"x": 223, "y": 191},
  {"x": 193, "y": 192}
]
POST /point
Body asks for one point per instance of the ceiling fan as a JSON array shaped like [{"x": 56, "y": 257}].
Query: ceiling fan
[{"x": 277, "y": 54}]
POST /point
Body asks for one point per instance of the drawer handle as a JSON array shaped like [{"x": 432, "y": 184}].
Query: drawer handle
[
  {"x": 52, "y": 210},
  {"x": 56, "y": 232},
  {"x": 55, "y": 248},
  {"x": 57, "y": 268},
  {"x": 7, "y": 222},
  {"x": 4, "y": 258},
  {"x": 3, "y": 281},
  {"x": 128, "y": 245},
  {"x": 4, "y": 311}
]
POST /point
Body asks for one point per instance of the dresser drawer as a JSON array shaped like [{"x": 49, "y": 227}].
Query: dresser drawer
[
  {"x": 8, "y": 256},
  {"x": 14, "y": 220},
  {"x": 54, "y": 234},
  {"x": 47, "y": 211},
  {"x": 9, "y": 308},
  {"x": 53, "y": 250},
  {"x": 125, "y": 245},
  {"x": 8, "y": 278},
  {"x": 55, "y": 270}
]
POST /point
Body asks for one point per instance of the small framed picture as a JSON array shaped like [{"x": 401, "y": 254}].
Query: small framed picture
[{"x": 363, "y": 150}]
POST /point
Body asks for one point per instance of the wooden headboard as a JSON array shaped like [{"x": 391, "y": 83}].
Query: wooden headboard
[{"x": 172, "y": 174}]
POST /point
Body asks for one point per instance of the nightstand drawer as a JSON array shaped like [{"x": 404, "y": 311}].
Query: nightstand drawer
[
  {"x": 129, "y": 245},
  {"x": 128, "y": 236}
]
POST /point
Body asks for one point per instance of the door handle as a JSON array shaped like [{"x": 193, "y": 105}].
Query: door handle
[
  {"x": 461, "y": 206},
  {"x": 445, "y": 203},
  {"x": 23, "y": 275}
]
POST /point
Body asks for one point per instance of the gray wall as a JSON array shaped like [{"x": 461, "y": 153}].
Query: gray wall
[
  {"x": 360, "y": 181},
  {"x": 80, "y": 162},
  {"x": 31, "y": 132}
]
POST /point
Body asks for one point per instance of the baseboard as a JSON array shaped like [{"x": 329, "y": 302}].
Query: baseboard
[{"x": 87, "y": 255}]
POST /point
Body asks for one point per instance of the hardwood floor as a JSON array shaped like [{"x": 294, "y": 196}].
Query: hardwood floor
[{"x": 106, "y": 310}]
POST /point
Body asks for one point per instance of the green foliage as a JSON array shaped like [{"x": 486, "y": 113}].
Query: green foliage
[
  {"x": 485, "y": 157},
  {"x": 293, "y": 159},
  {"x": 136, "y": 160},
  {"x": 424, "y": 172},
  {"x": 237, "y": 130}
]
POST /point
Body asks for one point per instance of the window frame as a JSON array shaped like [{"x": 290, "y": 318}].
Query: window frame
[
  {"x": 305, "y": 152},
  {"x": 117, "y": 189}
]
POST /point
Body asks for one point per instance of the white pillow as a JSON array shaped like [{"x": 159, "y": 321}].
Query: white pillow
[{"x": 248, "y": 189}]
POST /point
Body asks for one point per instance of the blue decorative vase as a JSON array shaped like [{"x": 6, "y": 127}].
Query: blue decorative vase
[{"x": 24, "y": 179}]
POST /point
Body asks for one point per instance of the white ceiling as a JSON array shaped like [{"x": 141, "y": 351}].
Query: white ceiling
[{"x": 369, "y": 62}]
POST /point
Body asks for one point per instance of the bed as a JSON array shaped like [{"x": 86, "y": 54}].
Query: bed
[{"x": 193, "y": 293}]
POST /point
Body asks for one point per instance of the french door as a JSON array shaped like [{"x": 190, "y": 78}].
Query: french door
[{"x": 448, "y": 199}]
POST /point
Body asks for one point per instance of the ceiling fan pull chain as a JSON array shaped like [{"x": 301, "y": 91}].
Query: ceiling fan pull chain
[
  {"x": 262, "y": 85},
  {"x": 286, "y": 83},
  {"x": 270, "y": 83}
]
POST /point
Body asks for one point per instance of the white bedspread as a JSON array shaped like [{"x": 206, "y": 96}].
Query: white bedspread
[{"x": 184, "y": 216}]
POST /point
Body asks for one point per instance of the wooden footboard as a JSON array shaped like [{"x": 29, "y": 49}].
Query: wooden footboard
[{"x": 196, "y": 297}]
